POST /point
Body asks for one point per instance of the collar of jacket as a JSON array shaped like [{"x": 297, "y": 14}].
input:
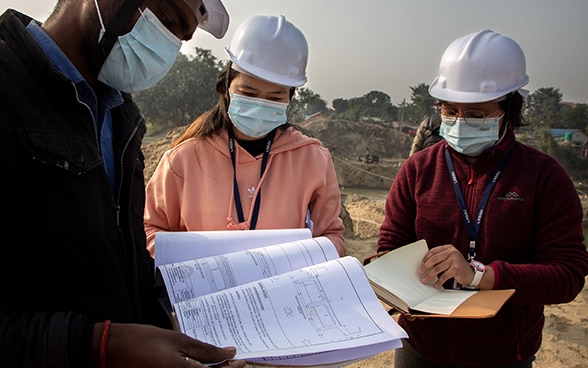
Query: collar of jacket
[{"x": 60, "y": 130}]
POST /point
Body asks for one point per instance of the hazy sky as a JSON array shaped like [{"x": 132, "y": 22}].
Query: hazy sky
[{"x": 390, "y": 45}]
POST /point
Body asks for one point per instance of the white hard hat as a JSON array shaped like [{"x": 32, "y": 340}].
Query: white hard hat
[
  {"x": 270, "y": 48},
  {"x": 480, "y": 67},
  {"x": 212, "y": 16}
]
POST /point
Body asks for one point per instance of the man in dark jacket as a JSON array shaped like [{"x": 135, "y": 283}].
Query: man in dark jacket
[
  {"x": 427, "y": 133},
  {"x": 78, "y": 282}
]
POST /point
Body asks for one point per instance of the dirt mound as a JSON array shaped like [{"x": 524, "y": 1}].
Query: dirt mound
[
  {"x": 367, "y": 215},
  {"x": 348, "y": 142},
  {"x": 351, "y": 139},
  {"x": 154, "y": 147}
]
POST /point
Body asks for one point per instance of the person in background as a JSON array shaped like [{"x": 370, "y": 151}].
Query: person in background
[
  {"x": 241, "y": 165},
  {"x": 496, "y": 214},
  {"x": 427, "y": 133},
  {"x": 78, "y": 285}
]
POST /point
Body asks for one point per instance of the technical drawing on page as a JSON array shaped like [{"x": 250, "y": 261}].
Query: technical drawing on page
[
  {"x": 314, "y": 309},
  {"x": 313, "y": 301}
]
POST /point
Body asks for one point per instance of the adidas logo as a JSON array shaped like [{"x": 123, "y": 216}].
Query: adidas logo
[
  {"x": 512, "y": 196},
  {"x": 251, "y": 192}
]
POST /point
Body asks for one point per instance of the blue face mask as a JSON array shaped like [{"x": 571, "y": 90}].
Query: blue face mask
[
  {"x": 142, "y": 57},
  {"x": 256, "y": 117},
  {"x": 469, "y": 138}
]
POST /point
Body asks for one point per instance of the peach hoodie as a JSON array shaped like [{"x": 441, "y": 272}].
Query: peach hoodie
[{"x": 192, "y": 188}]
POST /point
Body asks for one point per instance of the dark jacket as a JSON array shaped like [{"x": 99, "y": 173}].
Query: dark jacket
[
  {"x": 530, "y": 234},
  {"x": 77, "y": 253},
  {"x": 427, "y": 133}
]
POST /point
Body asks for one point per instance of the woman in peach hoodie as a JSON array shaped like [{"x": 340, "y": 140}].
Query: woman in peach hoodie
[{"x": 241, "y": 165}]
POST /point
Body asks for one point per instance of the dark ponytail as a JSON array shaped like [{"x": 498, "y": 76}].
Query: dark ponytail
[{"x": 513, "y": 110}]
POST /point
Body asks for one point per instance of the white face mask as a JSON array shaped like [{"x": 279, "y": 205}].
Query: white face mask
[
  {"x": 142, "y": 57},
  {"x": 469, "y": 138},
  {"x": 256, "y": 117}
]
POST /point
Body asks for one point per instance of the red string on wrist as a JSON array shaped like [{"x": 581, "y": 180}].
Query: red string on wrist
[{"x": 103, "y": 341}]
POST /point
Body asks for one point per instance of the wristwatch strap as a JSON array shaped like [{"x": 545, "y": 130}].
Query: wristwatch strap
[{"x": 479, "y": 270}]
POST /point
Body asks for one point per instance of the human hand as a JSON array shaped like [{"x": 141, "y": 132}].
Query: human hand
[
  {"x": 145, "y": 346},
  {"x": 445, "y": 262}
]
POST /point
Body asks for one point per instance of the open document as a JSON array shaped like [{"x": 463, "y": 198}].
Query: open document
[
  {"x": 395, "y": 279},
  {"x": 294, "y": 303},
  {"x": 171, "y": 247},
  {"x": 322, "y": 308}
]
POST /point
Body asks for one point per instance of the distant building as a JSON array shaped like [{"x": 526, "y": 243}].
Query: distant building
[
  {"x": 574, "y": 137},
  {"x": 371, "y": 118},
  {"x": 316, "y": 115}
]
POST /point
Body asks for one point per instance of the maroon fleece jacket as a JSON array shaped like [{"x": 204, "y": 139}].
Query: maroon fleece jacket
[{"x": 530, "y": 234}]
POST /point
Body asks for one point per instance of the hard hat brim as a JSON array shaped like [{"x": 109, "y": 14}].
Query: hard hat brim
[
  {"x": 263, "y": 74},
  {"x": 445, "y": 94}
]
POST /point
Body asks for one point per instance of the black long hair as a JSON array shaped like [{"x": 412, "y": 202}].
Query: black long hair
[{"x": 513, "y": 110}]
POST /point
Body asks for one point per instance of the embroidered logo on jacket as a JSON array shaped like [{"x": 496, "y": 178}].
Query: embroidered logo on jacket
[{"x": 512, "y": 196}]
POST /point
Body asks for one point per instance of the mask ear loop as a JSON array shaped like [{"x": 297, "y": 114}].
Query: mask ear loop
[
  {"x": 102, "y": 27},
  {"x": 116, "y": 27},
  {"x": 505, "y": 123}
]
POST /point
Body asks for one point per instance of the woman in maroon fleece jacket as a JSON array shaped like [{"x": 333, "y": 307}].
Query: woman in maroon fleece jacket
[{"x": 495, "y": 213}]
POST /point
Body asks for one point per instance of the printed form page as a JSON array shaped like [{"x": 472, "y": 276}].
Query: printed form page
[
  {"x": 190, "y": 279},
  {"x": 178, "y": 246},
  {"x": 329, "y": 306}
]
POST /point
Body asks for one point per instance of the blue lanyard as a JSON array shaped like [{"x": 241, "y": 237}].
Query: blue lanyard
[
  {"x": 473, "y": 229},
  {"x": 254, "y": 215}
]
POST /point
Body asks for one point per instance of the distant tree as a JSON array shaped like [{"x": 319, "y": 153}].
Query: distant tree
[
  {"x": 305, "y": 102},
  {"x": 402, "y": 107},
  {"x": 347, "y": 109},
  {"x": 376, "y": 104},
  {"x": 184, "y": 93},
  {"x": 564, "y": 154},
  {"x": 422, "y": 102},
  {"x": 355, "y": 108},
  {"x": 546, "y": 142},
  {"x": 413, "y": 114},
  {"x": 340, "y": 105},
  {"x": 542, "y": 108},
  {"x": 574, "y": 117}
]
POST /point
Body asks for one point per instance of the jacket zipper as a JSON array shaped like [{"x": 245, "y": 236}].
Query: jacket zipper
[
  {"x": 135, "y": 290},
  {"x": 124, "y": 151}
]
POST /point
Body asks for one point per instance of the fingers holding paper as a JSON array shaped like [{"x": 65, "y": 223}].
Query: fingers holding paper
[{"x": 445, "y": 262}]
